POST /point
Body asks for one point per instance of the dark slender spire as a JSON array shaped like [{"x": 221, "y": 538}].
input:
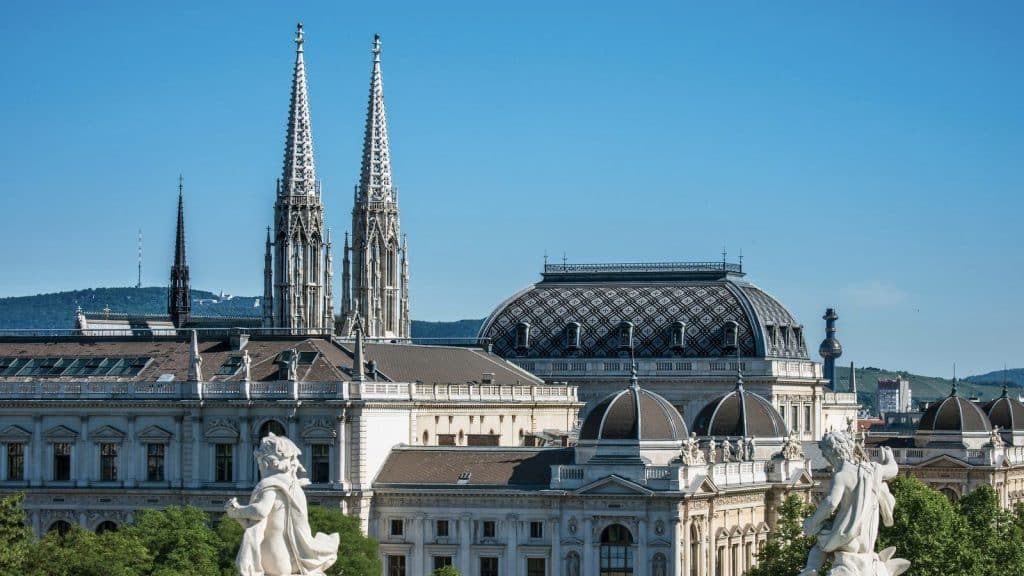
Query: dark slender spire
[{"x": 179, "y": 297}]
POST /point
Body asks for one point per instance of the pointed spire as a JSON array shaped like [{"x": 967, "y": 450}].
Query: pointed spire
[
  {"x": 179, "y": 296},
  {"x": 299, "y": 171},
  {"x": 375, "y": 173},
  {"x": 268, "y": 284},
  {"x": 358, "y": 374},
  {"x": 853, "y": 380},
  {"x": 955, "y": 383}
]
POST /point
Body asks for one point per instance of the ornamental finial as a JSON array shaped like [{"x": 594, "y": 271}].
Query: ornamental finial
[
  {"x": 298, "y": 37},
  {"x": 376, "y": 47}
]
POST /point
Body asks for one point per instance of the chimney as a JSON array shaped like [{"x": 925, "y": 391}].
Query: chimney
[{"x": 239, "y": 340}]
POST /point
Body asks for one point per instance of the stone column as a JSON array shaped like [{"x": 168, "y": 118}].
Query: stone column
[
  {"x": 129, "y": 448},
  {"x": 641, "y": 559},
  {"x": 554, "y": 563},
  {"x": 175, "y": 449},
  {"x": 82, "y": 458},
  {"x": 590, "y": 565},
  {"x": 338, "y": 462},
  {"x": 195, "y": 478},
  {"x": 416, "y": 561},
  {"x": 35, "y": 469},
  {"x": 465, "y": 534},
  {"x": 512, "y": 549},
  {"x": 677, "y": 558},
  {"x": 243, "y": 461}
]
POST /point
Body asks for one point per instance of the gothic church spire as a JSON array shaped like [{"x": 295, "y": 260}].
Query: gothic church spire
[
  {"x": 179, "y": 297},
  {"x": 299, "y": 170},
  {"x": 375, "y": 172}
]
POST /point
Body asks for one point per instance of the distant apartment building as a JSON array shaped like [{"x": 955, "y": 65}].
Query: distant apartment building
[{"x": 893, "y": 396}]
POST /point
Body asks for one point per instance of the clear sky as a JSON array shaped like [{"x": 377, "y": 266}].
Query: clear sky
[{"x": 862, "y": 155}]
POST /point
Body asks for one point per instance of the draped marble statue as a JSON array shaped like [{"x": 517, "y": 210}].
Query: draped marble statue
[
  {"x": 857, "y": 496},
  {"x": 277, "y": 539}
]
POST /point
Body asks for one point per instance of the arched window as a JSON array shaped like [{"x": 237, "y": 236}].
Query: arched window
[
  {"x": 572, "y": 336},
  {"x": 522, "y": 336},
  {"x": 730, "y": 336},
  {"x": 62, "y": 527},
  {"x": 677, "y": 336},
  {"x": 272, "y": 426},
  {"x": 426, "y": 438},
  {"x": 950, "y": 494},
  {"x": 695, "y": 559},
  {"x": 616, "y": 551},
  {"x": 461, "y": 438},
  {"x": 626, "y": 335},
  {"x": 106, "y": 526}
]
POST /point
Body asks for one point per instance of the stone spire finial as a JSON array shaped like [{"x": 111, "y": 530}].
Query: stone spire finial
[
  {"x": 299, "y": 175},
  {"x": 179, "y": 297},
  {"x": 195, "y": 360},
  {"x": 375, "y": 172},
  {"x": 358, "y": 374}
]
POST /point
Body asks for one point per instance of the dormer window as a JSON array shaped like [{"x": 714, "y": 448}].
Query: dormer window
[
  {"x": 626, "y": 335},
  {"x": 677, "y": 336},
  {"x": 572, "y": 336},
  {"x": 773, "y": 336},
  {"x": 798, "y": 336},
  {"x": 522, "y": 336},
  {"x": 730, "y": 336},
  {"x": 784, "y": 336}
]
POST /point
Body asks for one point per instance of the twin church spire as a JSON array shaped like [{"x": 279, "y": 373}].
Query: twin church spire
[{"x": 298, "y": 275}]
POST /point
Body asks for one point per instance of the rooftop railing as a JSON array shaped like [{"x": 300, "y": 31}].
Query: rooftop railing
[{"x": 644, "y": 267}]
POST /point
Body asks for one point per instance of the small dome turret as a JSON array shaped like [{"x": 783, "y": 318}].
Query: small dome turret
[
  {"x": 633, "y": 414},
  {"x": 740, "y": 413}
]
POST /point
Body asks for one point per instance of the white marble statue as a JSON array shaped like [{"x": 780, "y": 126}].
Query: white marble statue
[
  {"x": 692, "y": 454},
  {"x": 277, "y": 539},
  {"x": 712, "y": 452},
  {"x": 727, "y": 453},
  {"x": 857, "y": 496},
  {"x": 741, "y": 449}
]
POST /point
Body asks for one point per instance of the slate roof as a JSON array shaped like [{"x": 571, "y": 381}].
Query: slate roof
[
  {"x": 633, "y": 414},
  {"x": 441, "y": 467},
  {"x": 437, "y": 364}
]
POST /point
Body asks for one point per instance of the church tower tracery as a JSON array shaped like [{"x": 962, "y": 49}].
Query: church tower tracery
[
  {"x": 179, "y": 294},
  {"x": 375, "y": 285},
  {"x": 299, "y": 296}
]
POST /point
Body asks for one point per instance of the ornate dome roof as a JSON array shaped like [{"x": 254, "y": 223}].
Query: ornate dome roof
[
  {"x": 954, "y": 414},
  {"x": 675, "y": 309},
  {"x": 740, "y": 413},
  {"x": 1005, "y": 412},
  {"x": 633, "y": 414}
]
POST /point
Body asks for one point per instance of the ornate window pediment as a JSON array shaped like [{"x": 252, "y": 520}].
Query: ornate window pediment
[
  {"x": 319, "y": 431},
  {"x": 155, "y": 435},
  {"x": 61, "y": 434},
  {"x": 222, "y": 429},
  {"x": 15, "y": 434},
  {"x": 107, "y": 434}
]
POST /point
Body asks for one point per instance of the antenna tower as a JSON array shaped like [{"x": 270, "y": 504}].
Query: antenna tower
[{"x": 138, "y": 283}]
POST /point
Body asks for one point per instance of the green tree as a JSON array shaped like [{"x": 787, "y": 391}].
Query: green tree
[
  {"x": 15, "y": 536},
  {"x": 357, "y": 553},
  {"x": 229, "y": 532},
  {"x": 927, "y": 531},
  {"x": 180, "y": 541},
  {"x": 446, "y": 571},
  {"x": 81, "y": 552},
  {"x": 995, "y": 539},
  {"x": 785, "y": 552}
]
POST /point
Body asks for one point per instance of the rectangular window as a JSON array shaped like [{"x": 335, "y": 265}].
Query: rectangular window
[
  {"x": 720, "y": 562},
  {"x": 535, "y": 567},
  {"x": 807, "y": 417},
  {"x": 108, "y": 462},
  {"x": 794, "y": 423},
  {"x": 446, "y": 439},
  {"x": 442, "y": 561},
  {"x": 62, "y": 461},
  {"x": 155, "y": 462},
  {"x": 16, "y": 461},
  {"x": 441, "y": 528},
  {"x": 396, "y": 565},
  {"x": 224, "y": 466},
  {"x": 489, "y": 528},
  {"x": 397, "y": 527},
  {"x": 536, "y": 529},
  {"x": 483, "y": 439},
  {"x": 321, "y": 455},
  {"x": 488, "y": 566}
]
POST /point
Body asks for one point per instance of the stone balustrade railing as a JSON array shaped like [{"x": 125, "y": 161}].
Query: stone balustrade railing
[{"x": 285, "y": 389}]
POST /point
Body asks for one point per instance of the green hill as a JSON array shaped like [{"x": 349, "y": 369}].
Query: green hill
[
  {"x": 1014, "y": 377},
  {"x": 57, "y": 310},
  {"x": 922, "y": 387}
]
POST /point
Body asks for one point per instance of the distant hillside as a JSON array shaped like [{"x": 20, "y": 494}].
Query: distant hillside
[
  {"x": 1013, "y": 376},
  {"x": 922, "y": 387},
  {"x": 57, "y": 310}
]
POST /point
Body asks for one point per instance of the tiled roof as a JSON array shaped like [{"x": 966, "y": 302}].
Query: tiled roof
[
  {"x": 514, "y": 468},
  {"x": 438, "y": 364}
]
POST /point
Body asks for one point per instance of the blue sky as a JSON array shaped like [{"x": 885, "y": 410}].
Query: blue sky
[{"x": 861, "y": 155}]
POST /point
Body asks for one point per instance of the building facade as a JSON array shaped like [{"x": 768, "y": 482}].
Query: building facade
[
  {"x": 92, "y": 429},
  {"x": 893, "y": 395}
]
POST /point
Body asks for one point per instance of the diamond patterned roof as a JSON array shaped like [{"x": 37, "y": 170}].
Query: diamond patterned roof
[{"x": 705, "y": 306}]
